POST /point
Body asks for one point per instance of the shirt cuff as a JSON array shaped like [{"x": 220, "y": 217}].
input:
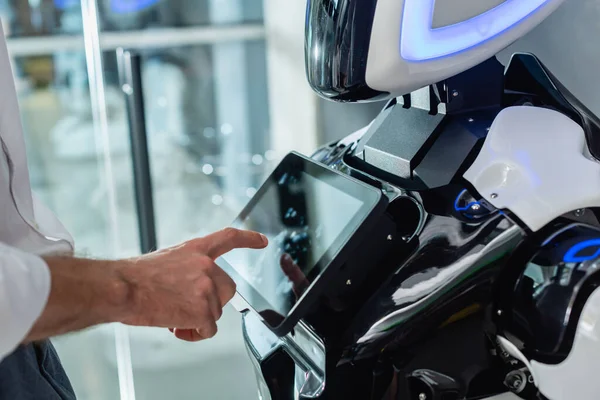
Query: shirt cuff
[{"x": 24, "y": 289}]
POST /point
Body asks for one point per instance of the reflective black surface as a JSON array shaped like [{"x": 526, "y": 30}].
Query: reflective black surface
[
  {"x": 451, "y": 271},
  {"x": 424, "y": 320},
  {"x": 542, "y": 303},
  {"x": 426, "y": 317},
  {"x": 422, "y": 310},
  {"x": 310, "y": 215},
  {"x": 337, "y": 39}
]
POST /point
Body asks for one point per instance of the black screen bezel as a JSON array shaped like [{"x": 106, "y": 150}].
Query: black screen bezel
[{"x": 373, "y": 205}]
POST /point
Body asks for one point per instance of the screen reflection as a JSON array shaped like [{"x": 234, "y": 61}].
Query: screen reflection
[{"x": 302, "y": 217}]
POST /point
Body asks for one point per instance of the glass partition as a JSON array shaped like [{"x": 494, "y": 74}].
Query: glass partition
[
  {"x": 46, "y": 42},
  {"x": 226, "y": 98},
  {"x": 207, "y": 119}
]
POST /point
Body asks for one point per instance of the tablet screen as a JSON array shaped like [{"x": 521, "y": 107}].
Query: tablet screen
[{"x": 306, "y": 213}]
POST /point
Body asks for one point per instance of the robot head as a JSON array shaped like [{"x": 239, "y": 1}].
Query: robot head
[{"x": 367, "y": 50}]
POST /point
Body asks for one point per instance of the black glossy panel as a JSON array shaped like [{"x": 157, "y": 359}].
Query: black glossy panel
[
  {"x": 432, "y": 300},
  {"x": 280, "y": 370},
  {"x": 455, "y": 360},
  {"x": 452, "y": 270},
  {"x": 422, "y": 305},
  {"x": 338, "y": 34},
  {"x": 546, "y": 298},
  {"x": 309, "y": 214}
]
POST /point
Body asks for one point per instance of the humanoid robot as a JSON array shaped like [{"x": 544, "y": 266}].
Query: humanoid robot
[{"x": 479, "y": 279}]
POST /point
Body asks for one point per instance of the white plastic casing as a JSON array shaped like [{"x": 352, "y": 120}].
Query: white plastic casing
[
  {"x": 577, "y": 376},
  {"x": 534, "y": 163},
  {"x": 432, "y": 55}
]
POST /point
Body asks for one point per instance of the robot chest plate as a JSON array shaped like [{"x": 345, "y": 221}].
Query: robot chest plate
[{"x": 535, "y": 163}]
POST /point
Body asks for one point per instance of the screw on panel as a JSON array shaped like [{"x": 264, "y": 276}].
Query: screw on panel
[
  {"x": 516, "y": 381},
  {"x": 516, "y": 384},
  {"x": 494, "y": 195},
  {"x": 499, "y": 312},
  {"x": 390, "y": 237},
  {"x": 422, "y": 396},
  {"x": 455, "y": 93},
  {"x": 580, "y": 212},
  {"x": 471, "y": 120},
  {"x": 348, "y": 282}
]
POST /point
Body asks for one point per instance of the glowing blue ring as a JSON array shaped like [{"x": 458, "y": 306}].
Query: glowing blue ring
[{"x": 572, "y": 257}]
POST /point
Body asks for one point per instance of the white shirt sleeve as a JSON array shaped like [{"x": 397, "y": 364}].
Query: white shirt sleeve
[{"x": 24, "y": 291}]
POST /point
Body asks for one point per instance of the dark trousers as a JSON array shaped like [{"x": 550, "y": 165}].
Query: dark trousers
[{"x": 34, "y": 372}]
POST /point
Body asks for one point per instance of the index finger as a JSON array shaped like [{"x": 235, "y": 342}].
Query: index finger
[{"x": 223, "y": 241}]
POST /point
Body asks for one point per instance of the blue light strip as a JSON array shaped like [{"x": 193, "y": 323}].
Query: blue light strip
[
  {"x": 129, "y": 6},
  {"x": 64, "y": 4},
  {"x": 572, "y": 257},
  {"x": 419, "y": 42}
]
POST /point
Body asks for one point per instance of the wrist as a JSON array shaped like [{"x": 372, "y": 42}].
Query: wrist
[
  {"x": 83, "y": 293},
  {"x": 127, "y": 292},
  {"x": 121, "y": 292}
]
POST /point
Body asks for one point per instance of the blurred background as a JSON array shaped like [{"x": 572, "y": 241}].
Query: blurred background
[{"x": 225, "y": 98}]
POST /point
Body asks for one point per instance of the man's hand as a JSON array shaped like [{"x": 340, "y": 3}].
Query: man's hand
[{"x": 182, "y": 288}]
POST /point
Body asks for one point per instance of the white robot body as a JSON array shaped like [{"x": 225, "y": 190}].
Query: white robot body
[
  {"x": 575, "y": 378},
  {"x": 534, "y": 163},
  {"x": 532, "y": 279}
]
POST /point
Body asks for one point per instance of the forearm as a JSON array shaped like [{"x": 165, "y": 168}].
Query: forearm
[{"x": 83, "y": 293}]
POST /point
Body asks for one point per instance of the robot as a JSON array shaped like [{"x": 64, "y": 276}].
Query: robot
[{"x": 483, "y": 282}]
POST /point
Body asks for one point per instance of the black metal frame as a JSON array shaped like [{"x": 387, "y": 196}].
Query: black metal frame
[{"x": 130, "y": 77}]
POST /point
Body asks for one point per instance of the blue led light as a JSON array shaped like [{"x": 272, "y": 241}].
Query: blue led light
[
  {"x": 419, "y": 42},
  {"x": 129, "y": 6},
  {"x": 571, "y": 256},
  {"x": 465, "y": 208},
  {"x": 64, "y": 4}
]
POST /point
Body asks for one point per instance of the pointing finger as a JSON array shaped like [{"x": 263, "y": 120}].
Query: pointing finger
[{"x": 221, "y": 242}]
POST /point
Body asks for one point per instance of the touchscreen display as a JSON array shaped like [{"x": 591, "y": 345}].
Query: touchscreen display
[{"x": 302, "y": 216}]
